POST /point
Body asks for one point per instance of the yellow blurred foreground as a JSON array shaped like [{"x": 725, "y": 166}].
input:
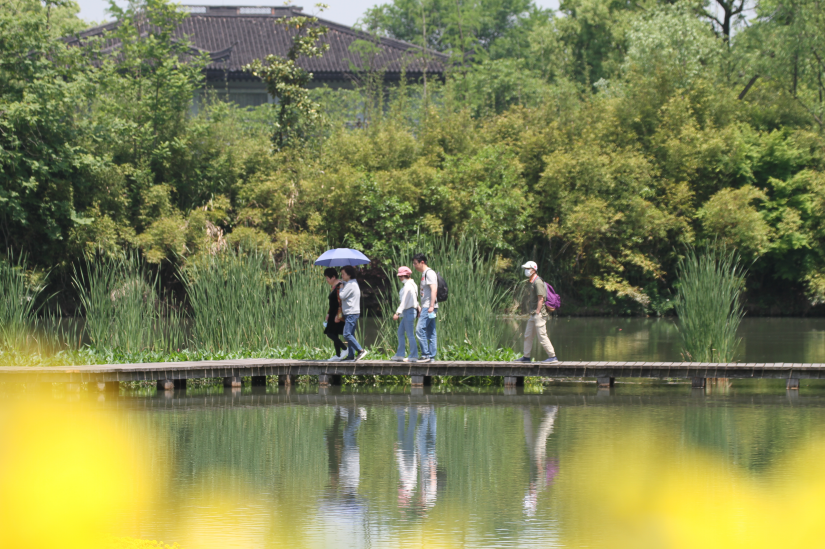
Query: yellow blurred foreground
[
  {"x": 639, "y": 488},
  {"x": 70, "y": 479}
]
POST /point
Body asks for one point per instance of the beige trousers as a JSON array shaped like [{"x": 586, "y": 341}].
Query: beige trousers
[{"x": 537, "y": 323}]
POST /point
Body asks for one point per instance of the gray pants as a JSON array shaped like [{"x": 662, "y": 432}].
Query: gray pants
[{"x": 537, "y": 324}]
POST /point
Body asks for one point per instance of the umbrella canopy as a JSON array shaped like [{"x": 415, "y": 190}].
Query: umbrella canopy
[{"x": 340, "y": 257}]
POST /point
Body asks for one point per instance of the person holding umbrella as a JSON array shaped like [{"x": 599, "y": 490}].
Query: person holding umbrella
[
  {"x": 349, "y": 294},
  {"x": 351, "y": 308},
  {"x": 334, "y": 321}
]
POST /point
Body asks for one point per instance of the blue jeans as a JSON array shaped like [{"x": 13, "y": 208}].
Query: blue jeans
[
  {"x": 349, "y": 335},
  {"x": 407, "y": 327},
  {"x": 426, "y": 334}
]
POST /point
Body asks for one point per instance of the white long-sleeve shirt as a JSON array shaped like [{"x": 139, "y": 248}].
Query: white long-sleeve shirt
[{"x": 408, "y": 296}]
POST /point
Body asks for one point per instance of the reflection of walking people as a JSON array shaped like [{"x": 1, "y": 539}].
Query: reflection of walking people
[
  {"x": 537, "y": 323},
  {"x": 416, "y": 457},
  {"x": 542, "y": 470},
  {"x": 429, "y": 308},
  {"x": 406, "y": 312},
  {"x": 350, "y": 295},
  {"x": 334, "y": 321},
  {"x": 344, "y": 456}
]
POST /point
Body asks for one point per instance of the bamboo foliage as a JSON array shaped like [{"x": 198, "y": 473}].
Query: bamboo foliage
[{"x": 708, "y": 304}]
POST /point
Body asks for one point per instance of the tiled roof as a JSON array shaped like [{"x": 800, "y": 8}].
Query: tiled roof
[{"x": 234, "y": 36}]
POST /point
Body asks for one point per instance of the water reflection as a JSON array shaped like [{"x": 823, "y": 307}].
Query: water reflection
[
  {"x": 542, "y": 470},
  {"x": 466, "y": 469},
  {"x": 416, "y": 458},
  {"x": 344, "y": 454}
]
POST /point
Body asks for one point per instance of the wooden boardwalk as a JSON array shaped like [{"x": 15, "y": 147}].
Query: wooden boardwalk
[{"x": 174, "y": 374}]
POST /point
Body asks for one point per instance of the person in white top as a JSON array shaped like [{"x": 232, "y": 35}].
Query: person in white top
[
  {"x": 407, "y": 311},
  {"x": 429, "y": 309}
]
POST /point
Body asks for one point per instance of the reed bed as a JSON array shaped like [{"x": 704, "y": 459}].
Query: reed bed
[
  {"x": 120, "y": 300},
  {"x": 708, "y": 304},
  {"x": 244, "y": 301},
  {"x": 18, "y": 309}
]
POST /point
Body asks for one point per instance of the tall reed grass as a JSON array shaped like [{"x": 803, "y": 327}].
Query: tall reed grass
[
  {"x": 120, "y": 299},
  {"x": 708, "y": 304},
  {"x": 244, "y": 301},
  {"x": 18, "y": 309},
  {"x": 467, "y": 320}
]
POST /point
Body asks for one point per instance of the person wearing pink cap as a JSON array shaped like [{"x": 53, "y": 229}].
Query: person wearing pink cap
[{"x": 406, "y": 312}]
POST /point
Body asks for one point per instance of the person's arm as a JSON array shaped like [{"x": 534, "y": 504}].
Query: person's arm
[
  {"x": 401, "y": 298},
  {"x": 433, "y": 292},
  {"x": 541, "y": 294}
]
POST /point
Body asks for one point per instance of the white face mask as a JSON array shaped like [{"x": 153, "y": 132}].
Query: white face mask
[{"x": 527, "y": 273}]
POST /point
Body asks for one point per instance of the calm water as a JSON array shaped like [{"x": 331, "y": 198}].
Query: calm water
[
  {"x": 635, "y": 339},
  {"x": 384, "y": 468}
]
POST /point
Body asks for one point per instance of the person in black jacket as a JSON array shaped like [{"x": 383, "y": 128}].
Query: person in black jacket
[{"x": 334, "y": 321}]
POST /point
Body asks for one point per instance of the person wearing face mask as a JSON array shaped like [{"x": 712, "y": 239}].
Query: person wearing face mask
[{"x": 537, "y": 323}]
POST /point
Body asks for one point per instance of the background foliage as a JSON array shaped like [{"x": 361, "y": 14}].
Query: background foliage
[{"x": 602, "y": 139}]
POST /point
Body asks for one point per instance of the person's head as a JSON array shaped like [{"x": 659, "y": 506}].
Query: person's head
[
  {"x": 331, "y": 275},
  {"x": 530, "y": 268},
  {"x": 404, "y": 274},
  {"x": 348, "y": 273},
  {"x": 420, "y": 262}
]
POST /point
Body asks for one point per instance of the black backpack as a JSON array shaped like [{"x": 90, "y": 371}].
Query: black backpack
[{"x": 441, "y": 290}]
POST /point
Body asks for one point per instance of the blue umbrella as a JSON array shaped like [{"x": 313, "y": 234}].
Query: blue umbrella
[{"x": 340, "y": 257}]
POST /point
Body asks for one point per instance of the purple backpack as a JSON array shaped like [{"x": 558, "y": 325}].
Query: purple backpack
[{"x": 552, "y": 300}]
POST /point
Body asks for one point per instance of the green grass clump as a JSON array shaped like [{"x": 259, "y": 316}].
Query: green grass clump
[
  {"x": 18, "y": 311},
  {"x": 708, "y": 304},
  {"x": 244, "y": 301},
  {"x": 120, "y": 300}
]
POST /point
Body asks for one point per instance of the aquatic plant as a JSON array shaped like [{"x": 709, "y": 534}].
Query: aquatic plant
[
  {"x": 123, "y": 311},
  {"x": 18, "y": 311},
  {"x": 708, "y": 304},
  {"x": 244, "y": 300},
  {"x": 231, "y": 301}
]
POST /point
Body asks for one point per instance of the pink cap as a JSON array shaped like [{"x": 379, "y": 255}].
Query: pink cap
[{"x": 404, "y": 271}]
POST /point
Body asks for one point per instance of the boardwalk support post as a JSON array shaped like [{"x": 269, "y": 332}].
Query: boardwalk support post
[
  {"x": 513, "y": 381},
  {"x": 420, "y": 381},
  {"x": 697, "y": 383},
  {"x": 326, "y": 380},
  {"x": 233, "y": 381},
  {"x": 286, "y": 379},
  {"x": 793, "y": 384},
  {"x": 171, "y": 384},
  {"x": 259, "y": 381},
  {"x": 606, "y": 381},
  {"x": 108, "y": 386}
]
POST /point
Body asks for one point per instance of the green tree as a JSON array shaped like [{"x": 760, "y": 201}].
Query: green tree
[
  {"x": 286, "y": 81},
  {"x": 44, "y": 161}
]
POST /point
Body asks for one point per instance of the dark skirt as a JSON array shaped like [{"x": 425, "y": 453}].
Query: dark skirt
[{"x": 333, "y": 327}]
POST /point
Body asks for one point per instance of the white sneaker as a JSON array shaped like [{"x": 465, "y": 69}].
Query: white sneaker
[
  {"x": 344, "y": 354},
  {"x": 397, "y": 358},
  {"x": 361, "y": 355},
  {"x": 334, "y": 358}
]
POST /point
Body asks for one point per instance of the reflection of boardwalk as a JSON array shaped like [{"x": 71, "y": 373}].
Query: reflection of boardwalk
[
  {"x": 416, "y": 457},
  {"x": 542, "y": 471}
]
